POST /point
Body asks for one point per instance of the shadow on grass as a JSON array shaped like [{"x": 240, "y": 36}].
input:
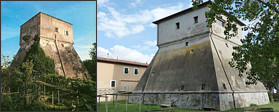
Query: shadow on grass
[{"x": 121, "y": 107}]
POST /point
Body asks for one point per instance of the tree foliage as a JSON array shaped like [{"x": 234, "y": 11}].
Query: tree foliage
[
  {"x": 42, "y": 63},
  {"x": 34, "y": 85},
  {"x": 5, "y": 62},
  {"x": 91, "y": 64},
  {"x": 258, "y": 56}
]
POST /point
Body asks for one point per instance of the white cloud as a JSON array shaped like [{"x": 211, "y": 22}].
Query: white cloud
[
  {"x": 118, "y": 24},
  {"x": 102, "y": 52},
  {"x": 102, "y": 3},
  {"x": 124, "y": 53},
  {"x": 137, "y": 2},
  {"x": 151, "y": 43},
  {"x": 159, "y": 12}
]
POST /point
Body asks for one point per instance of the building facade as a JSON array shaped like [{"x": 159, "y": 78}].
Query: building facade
[
  {"x": 56, "y": 39},
  {"x": 116, "y": 76},
  {"x": 191, "y": 69}
]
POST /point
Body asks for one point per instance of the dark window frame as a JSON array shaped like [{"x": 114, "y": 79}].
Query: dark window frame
[
  {"x": 196, "y": 19},
  {"x": 125, "y": 70},
  {"x": 66, "y": 33},
  {"x": 57, "y": 29},
  {"x": 224, "y": 86},
  {"x": 177, "y": 25},
  {"x": 182, "y": 87},
  {"x": 136, "y": 70},
  {"x": 203, "y": 87},
  {"x": 186, "y": 43},
  {"x": 227, "y": 44},
  {"x": 113, "y": 83}
]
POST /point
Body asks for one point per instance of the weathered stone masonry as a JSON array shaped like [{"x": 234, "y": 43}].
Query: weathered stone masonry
[
  {"x": 56, "y": 39},
  {"x": 191, "y": 70}
]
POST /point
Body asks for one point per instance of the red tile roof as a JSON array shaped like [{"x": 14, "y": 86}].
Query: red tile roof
[{"x": 101, "y": 59}]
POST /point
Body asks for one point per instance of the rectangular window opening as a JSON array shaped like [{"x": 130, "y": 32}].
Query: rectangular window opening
[
  {"x": 203, "y": 87},
  {"x": 66, "y": 33},
  {"x": 126, "y": 70},
  {"x": 227, "y": 44},
  {"x": 182, "y": 87},
  {"x": 136, "y": 71},
  {"x": 186, "y": 43},
  {"x": 56, "y": 29},
  {"x": 196, "y": 19},
  {"x": 113, "y": 83},
  {"x": 177, "y": 25},
  {"x": 224, "y": 86}
]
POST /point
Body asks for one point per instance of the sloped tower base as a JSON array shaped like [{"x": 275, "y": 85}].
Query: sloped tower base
[
  {"x": 56, "y": 39},
  {"x": 197, "y": 76}
]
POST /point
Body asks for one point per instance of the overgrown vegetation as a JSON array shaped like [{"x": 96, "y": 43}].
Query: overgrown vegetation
[
  {"x": 258, "y": 56},
  {"x": 91, "y": 64},
  {"x": 34, "y": 85}
]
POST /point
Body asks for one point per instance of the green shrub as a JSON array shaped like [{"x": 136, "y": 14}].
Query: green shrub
[
  {"x": 253, "y": 105},
  {"x": 42, "y": 63},
  {"x": 276, "y": 96},
  {"x": 271, "y": 99}
]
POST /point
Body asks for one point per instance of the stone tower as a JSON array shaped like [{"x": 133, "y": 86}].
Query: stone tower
[
  {"x": 56, "y": 39},
  {"x": 191, "y": 70}
]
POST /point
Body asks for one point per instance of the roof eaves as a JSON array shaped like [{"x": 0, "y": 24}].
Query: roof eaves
[
  {"x": 47, "y": 15},
  {"x": 190, "y": 9}
]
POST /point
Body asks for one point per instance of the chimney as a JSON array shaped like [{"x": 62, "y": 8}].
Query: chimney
[{"x": 107, "y": 55}]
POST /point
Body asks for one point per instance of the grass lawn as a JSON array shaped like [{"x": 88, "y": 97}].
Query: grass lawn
[{"x": 121, "y": 107}]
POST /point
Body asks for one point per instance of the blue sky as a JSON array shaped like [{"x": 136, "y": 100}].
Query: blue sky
[
  {"x": 82, "y": 14},
  {"x": 125, "y": 28}
]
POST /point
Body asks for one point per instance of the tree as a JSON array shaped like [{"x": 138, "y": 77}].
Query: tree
[
  {"x": 5, "y": 61},
  {"x": 93, "y": 52},
  {"x": 27, "y": 69},
  {"x": 258, "y": 56},
  {"x": 91, "y": 64}
]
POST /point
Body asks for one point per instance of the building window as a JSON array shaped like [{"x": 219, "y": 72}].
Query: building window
[
  {"x": 224, "y": 86},
  {"x": 56, "y": 29},
  {"x": 136, "y": 71},
  {"x": 112, "y": 83},
  {"x": 227, "y": 44},
  {"x": 220, "y": 22},
  {"x": 196, "y": 19},
  {"x": 66, "y": 33},
  {"x": 203, "y": 87},
  {"x": 177, "y": 25},
  {"x": 182, "y": 87},
  {"x": 126, "y": 70},
  {"x": 186, "y": 43}
]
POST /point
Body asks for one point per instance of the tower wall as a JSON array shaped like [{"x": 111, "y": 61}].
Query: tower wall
[
  {"x": 56, "y": 39},
  {"x": 167, "y": 31},
  {"x": 48, "y": 29},
  {"x": 191, "y": 68}
]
